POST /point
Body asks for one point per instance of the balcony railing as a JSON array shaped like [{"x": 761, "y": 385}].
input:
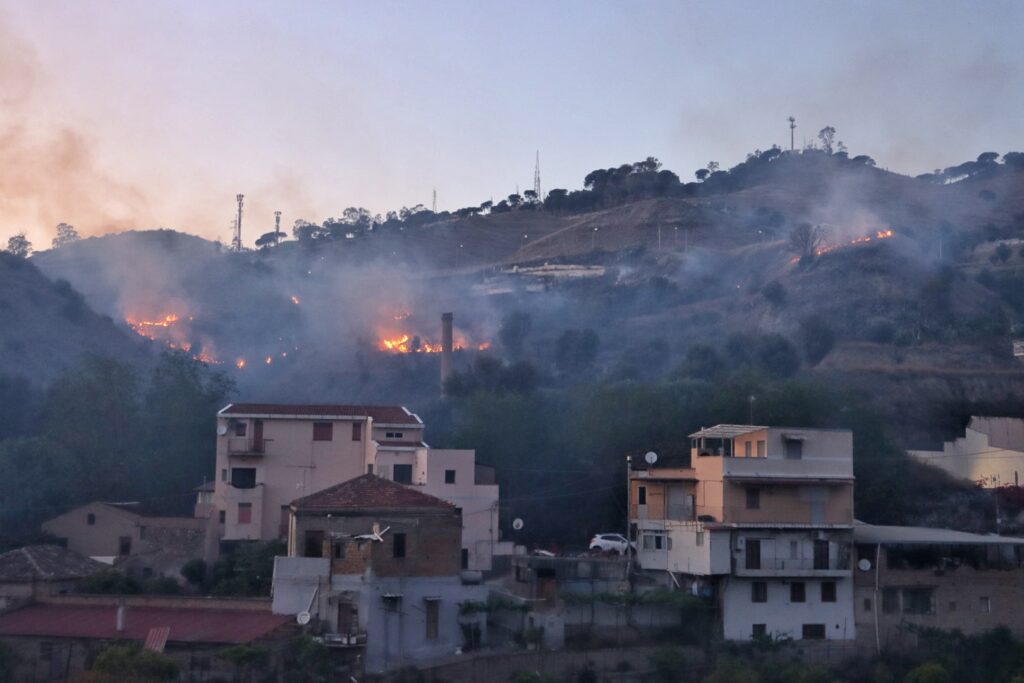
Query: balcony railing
[
  {"x": 248, "y": 447},
  {"x": 770, "y": 514},
  {"x": 792, "y": 567}
]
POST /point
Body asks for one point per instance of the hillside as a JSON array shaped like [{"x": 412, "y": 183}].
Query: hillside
[{"x": 47, "y": 327}]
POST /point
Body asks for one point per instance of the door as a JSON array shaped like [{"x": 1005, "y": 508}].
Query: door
[
  {"x": 257, "y": 437},
  {"x": 821, "y": 554},
  {"x": 348, "y": 618}
]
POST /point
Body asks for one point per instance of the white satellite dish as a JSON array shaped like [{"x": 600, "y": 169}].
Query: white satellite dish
[
  {"x": 651, "y": 457},
  {"x": 517, "y": 524},
  {"x": 374, "y": 535},
  {"x": 864, "y": 564},
  {"x": 222, "y": 430},
  {"x": 303, "y": 618}
]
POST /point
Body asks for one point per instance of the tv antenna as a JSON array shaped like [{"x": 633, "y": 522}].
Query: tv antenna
[{"x": 376, "y": 535}]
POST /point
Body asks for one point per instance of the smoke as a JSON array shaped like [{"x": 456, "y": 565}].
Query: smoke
[{"x": 49, "y": 172}]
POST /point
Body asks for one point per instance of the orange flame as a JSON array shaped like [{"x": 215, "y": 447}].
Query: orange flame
[
  {"x": 403, "y": 343},
  {"x": 295, "y": 300}
]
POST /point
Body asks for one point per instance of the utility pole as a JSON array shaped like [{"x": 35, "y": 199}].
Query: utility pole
[
  {"x": 277, "y": 227},
  {"x": 536, "y": 179},
  {"x": 238, "y": 223},
  {"x": 433, "y": 205},
  {"x": 792, "y": 129}
]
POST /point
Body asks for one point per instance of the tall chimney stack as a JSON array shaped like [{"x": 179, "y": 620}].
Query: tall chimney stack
[{"x": 447, "y": 347}]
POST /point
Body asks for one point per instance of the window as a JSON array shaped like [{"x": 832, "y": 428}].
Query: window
[
  {"x": 794, "y": 449},
  {"x": 357, "y": 431},
  {"x": 918, "y": 601},
  {"x": 753, "y": 554},
  {"x": 402, "y": 474},
  {"x": 338, "y": 551},
  {"x": 814, "y": 632},
  {"x": 794, "y": 550},
  {"x": 239, "y": 429},
  {"x": 821, "y": 554},
  {"x": 314, "y": 543},
  {"x": 867, "y": 604},
  {"x": 761, "y": 448},
  {"x": 433, "y": 614},
  {"x": 759, "y": 631},
  {"x": 798, "y": 591},
  {"x": 700, "y": 538},
  {"x": 641, "y": 495},
  {"x": 323, "y": 431},
  {"x": 90, "y": 519},
  {"x": 465, "y": 558},
  {"x": 221, "y": 516},
  {"x": 984, "y": 604},
  {"x": 828, "y": 591},
  {"x": 759, "y": 591},
  {"x": 243, "y": 477},
  {"x": 398, "y": 545},
  {"x": 369, "y": 468},
  {"x": 449, "y": 476},
  {"x": 392, "y": 603},
  {"x": 748, "y": 448},
  {"x": 753, "y": 498},
  {"x": 124, "y": 545},
  {"x": 890, "y": 600},
  {"x": 394, "y": 435},
  {"x": 245, "y": 513}
]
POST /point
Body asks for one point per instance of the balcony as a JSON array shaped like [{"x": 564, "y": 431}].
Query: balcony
[
  {"x": 245, "y": 447},
  {"x": 355, "y": 639},
  {"x": 815, "y": 567},
  {"x": 780, "y": 515}
]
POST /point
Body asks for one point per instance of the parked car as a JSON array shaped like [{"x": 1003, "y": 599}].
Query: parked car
[{"x": 611, "y": 543}]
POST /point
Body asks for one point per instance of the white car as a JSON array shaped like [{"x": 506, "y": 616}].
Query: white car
[{"x": 611, "y": 543}]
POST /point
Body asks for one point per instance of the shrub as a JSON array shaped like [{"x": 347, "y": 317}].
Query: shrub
[
  {"x": 668, "y": 664},
  {"x": 929, "y": 672},
  {"x": 132, "y": 663}
]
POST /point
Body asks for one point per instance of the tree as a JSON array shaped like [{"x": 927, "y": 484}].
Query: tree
[
  {"x": 929, "y": 672},
  {"x": 576, "y": 350},
  {"x": 702, "y": 174},
  {"x": 515, "y": 327},
  {"x": 268, "y": 239},
  {"x": 805, "y": 240},
  {"x": 827, "y": 135},
  {"x": 66, "y": 234},
  {"x": 19, "y": 245},
  {"x": 712, "y": 166}
]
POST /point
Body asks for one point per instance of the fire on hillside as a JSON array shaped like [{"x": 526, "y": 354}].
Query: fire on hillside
[
  {"x": 170, "y": 331},
  {"x": 405, "y": 343},
  {"x": 857, "y": 241}
]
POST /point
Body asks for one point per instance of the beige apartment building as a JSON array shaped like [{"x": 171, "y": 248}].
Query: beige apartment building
[
  {"x": 761, "y": 522},
  {"x": 268, "y": 455}
]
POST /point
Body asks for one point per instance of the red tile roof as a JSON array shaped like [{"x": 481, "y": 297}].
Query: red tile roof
[
  {"x": 385, "y": 414},
  {"x": 368, "y": 492},
  {"x": 191, "y": 625}
]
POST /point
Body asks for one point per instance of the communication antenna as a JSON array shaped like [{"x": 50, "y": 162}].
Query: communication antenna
[
  {"x": 517, "y": 524},
  {"x": 433, "y": 205},
  {"x": 238, "y": 223},
  {"x": 536, "y": 179},
  {"x": 651, "y": 457},
  {"x": 792, "y": 128},
  {"x": 277, "y": 226},
  {"x": 303, "y": 618}
]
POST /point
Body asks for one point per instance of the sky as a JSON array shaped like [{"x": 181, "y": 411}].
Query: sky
[{"x": 137, "y": 115}]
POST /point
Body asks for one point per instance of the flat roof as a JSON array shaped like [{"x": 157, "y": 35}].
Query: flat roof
[
  {"x": 397, "y": 415},
  {"x": 726, "y": 431},
  {"x": 920, "y": 535}
]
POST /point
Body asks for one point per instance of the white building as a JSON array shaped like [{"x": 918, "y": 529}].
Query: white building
[
  {"x": 270, "y": 454},
  {"x": 760, "y": 522},
  {"x": 990, "y": 453}
]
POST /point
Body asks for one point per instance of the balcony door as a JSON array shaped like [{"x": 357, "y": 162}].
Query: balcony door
[
  {"x": 753, "y": 554},
  {"x": 821, "y": 554},
  {"x": 257, "y": 436}
]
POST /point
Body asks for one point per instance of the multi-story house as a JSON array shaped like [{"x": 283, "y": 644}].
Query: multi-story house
[
  {"x": 270, "y": 454},
  {"x": 761, "y": 521},
  {"x": 378, "y": 564}
]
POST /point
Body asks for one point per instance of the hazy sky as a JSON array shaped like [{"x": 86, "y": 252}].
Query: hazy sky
[{"x": 116, "y": 115}]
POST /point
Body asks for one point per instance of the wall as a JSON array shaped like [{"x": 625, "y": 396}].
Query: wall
[
  {"x": 787, "y": 503},
  {"x": 479, "y": 503},
  {"x": 686, "y": 555},
  {"x": 778, "y": 558},
  {"x": 976, "y": 458},
  {"x": 783, "y": 617}
]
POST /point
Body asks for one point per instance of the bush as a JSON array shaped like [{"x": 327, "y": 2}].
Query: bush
[
  {"x": 194, "y": 571},
  {"x": 668, "y": 664},
  {"x": 132, "y": 663},
  {"x": 777, "y": 356},
  {"x": 774, "y": 293},
  {"x": 929, "y": 672}
]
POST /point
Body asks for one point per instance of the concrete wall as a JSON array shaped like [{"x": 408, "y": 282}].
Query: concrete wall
[
  {"x": 782, "y": 617},
  {"x": 991, "y": 453},
  {"x": 787, "y": 503},
  {"x": 693, "y": 548}
]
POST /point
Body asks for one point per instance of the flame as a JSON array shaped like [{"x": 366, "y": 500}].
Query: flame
[
  {"x": 268, "y": 360},
  {"x": 403, "y": 343},
  {"x": 171, "y": 330},
  {"x": 878, "y": 235},
  {"x": 295, "y": 300},
  {"x": 240, "y": 363}
]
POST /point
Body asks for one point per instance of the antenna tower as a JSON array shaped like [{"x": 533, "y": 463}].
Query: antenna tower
[
  {"x": 238, "y": 223},
  {"x": 792, "y": 127},
  {"x": 433, "y": 205},
  {"x": 277, "y": 226},
  {"x": 536, "y": 179}
]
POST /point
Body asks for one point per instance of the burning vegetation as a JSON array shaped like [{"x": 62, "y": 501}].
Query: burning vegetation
[
  {"x": 404, "y": 343},
  {"x": 171, "y": 331}
]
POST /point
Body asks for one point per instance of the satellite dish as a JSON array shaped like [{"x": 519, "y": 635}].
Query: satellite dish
[
  {"x": 864, "y": 564},
  {"x": 651, "y": 457},
  {"x": 303, "y": 618},
  {"x": 517, "y": 524},
  {"x": 222, "y": 430}
]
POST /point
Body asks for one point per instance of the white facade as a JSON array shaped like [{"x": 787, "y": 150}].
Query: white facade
[
  {"x": 265, "y": 460},
  {"x": 780, "y": 615},
  {"x": 990, "y": 454}
]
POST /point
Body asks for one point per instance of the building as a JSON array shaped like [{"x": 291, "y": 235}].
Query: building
[
  {"x": 270, "y": 454},
  {"x": 760, "y": 521},
  {"x": 129, "y": 538},
  {"x": 379, "y": 565},
  {"x": 990, "y": 453},
  {"x": 36, "y": 571},
  {"x": 57, "y": 638},
  {"x": 910, "y": 577}
]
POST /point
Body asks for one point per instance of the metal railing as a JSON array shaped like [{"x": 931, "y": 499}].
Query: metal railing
[{"x": 243, "y": 445}]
